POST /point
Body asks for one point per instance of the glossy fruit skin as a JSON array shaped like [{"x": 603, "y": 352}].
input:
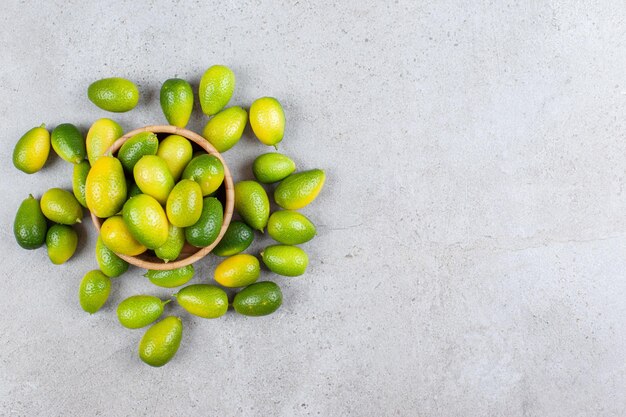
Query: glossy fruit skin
[
  {"x": 68, "y": 143},
  {"x": 79, "y": 180},
  {"x": 109, "y": 263},
  {"x": 176, "y": 99},
  {"x": 258, "y": 299},
  {"x": 60, "y": 206},
  {"x": 61, "y": 242},
  {"x": 272, "y": 167},
  {"x": 207, "y": 170},
  {"x": 101, "y": 135},
  {"x": 105, "y": 188},
  {"x": 114, "y": 94},
  {"x": 170, "y": 250},
  {"x": 153, "y": 177},
  {"x": 224, "y": 129},
  {"x": 237, "y": 238},
  {"x": 290, "y": 261},
  {"x": 139, "y": 310},
  {"x": 30, "y": 224},
  {"x": 203, "y": 300},
  {"x": 146, "y": 220},
  {"x": 299, "y": 189},
  {"x": 267, "y": 120},
  {"x": 117, "y": 237},
  {"x": 290, "y": 227},
  {"x": 216, "y": 88},
  {"x": 144, "y": 143},
  {"x": 94, "y": 291},
  {"x": 172, "y": 278},
  {"x": 238, "y": 271},
  {"x": 31, "y": 150},
  {"x": 207, "y": 228},
  {"x": 184, "y": 204},
  {"x": 161, "y": 341},
  {"x": 252, "y": 204},
  {"x": 176, "y": 151}
]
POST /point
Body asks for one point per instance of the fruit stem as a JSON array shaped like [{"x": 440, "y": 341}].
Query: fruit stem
[{"x": 165, "y": 302}]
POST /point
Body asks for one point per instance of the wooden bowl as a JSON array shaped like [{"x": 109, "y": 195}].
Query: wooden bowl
[{"x": 189, "y": 254}]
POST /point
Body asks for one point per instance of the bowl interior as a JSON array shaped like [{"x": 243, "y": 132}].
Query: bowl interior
[{"x": 189, "y": 254}]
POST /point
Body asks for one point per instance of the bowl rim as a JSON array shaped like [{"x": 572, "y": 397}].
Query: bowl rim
[{"x": 228, "y": 206}]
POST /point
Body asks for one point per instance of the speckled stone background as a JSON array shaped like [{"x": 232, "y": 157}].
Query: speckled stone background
[{"x": 471, "y": 254}]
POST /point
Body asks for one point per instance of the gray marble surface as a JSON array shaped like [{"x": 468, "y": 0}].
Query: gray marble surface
[{"x": 472, "y": 232}]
